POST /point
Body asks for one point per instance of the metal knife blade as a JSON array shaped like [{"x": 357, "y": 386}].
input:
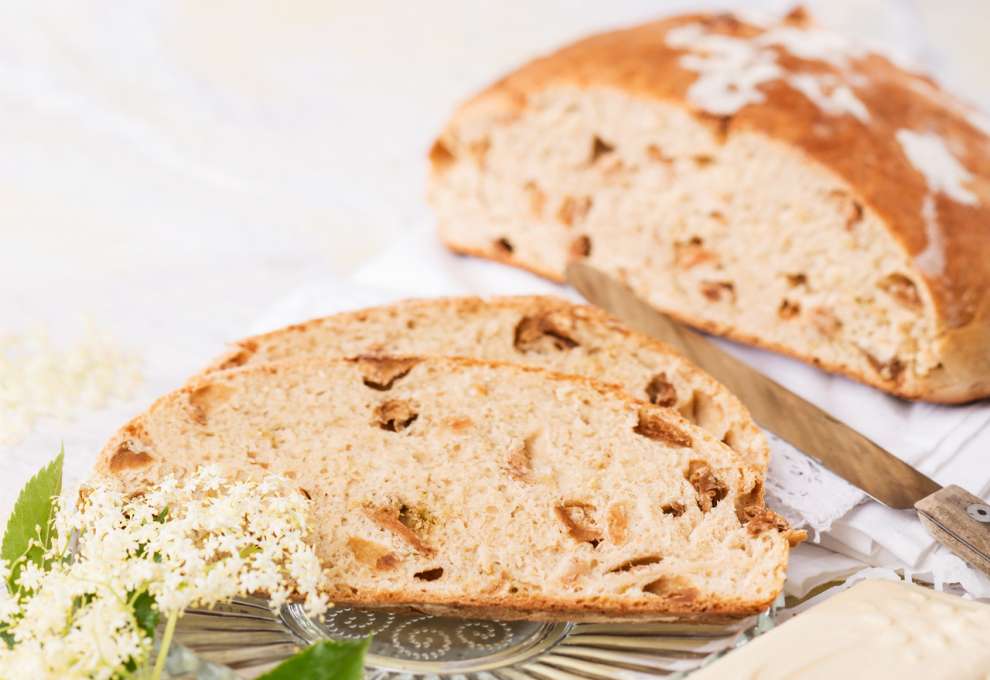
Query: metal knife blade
[
  {"x": 954, "y": 517},
  {"x": 813, "y": 431}
]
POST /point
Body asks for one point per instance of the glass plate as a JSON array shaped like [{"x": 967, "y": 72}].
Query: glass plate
[{"x": 244, "y": 639}]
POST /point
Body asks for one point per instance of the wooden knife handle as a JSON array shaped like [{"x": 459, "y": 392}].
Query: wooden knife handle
[{"x": 961, "y": 522}]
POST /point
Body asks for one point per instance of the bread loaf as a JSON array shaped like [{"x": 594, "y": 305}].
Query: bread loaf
[
  {"x": 768, "y": 182},
  {"x": 545, "y": 332},
  {"x": 492, "y": 489}
]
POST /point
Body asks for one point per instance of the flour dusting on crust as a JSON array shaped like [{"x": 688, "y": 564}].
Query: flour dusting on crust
[
  {"x": 980, "y": 121},
  {"x": 831, "y": 96},
  {"x": 943, "y": 172},
  {"x": 813, "y": 44},
  {"x": 931, "y": 260},
  {"x": 731, "y": 70}
]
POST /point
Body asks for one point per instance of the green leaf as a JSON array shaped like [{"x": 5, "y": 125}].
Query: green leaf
[
  {"x": 325, "y": 660},
  {"x": 7, "y": 638},
  {"x": 146, "y": 613},
  {"x": 32, "y": 518}
]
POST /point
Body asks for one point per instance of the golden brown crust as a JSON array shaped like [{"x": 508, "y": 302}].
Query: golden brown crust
[
  {"x": 504, "y": 258},
  {"x": 964, "y": 386},
  {"x": 535, "y": 608},
  {"x": 867, "y": 156}
]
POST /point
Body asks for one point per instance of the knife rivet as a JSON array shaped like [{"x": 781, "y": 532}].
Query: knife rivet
[{"x": 979, "y": 511}]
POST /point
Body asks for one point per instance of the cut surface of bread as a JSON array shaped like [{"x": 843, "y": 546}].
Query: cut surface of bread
[
  {"x": 488, "y": 488},
  {"x": 540, "y": 331},
  {"x": 769, "y": 183}
]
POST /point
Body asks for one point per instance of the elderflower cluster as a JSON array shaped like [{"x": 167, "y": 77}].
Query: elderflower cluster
[
  {"x": 190, "y": 543},
  {"x": 39, "y": 378}
]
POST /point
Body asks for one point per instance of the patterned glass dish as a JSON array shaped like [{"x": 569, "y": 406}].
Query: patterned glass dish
[{"x": 244, "y": 639}]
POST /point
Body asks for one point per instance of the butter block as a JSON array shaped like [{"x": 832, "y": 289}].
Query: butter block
[{"x": 876, "y": 630}]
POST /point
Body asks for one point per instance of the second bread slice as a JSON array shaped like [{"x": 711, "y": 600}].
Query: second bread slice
[{"x": 545, "y": 332}]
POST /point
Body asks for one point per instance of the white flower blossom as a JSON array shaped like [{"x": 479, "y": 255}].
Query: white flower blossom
[{"x": 188, "y": 543}]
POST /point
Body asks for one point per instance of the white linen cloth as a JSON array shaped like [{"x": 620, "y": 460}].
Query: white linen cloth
[{"x": 949, "y": 443}]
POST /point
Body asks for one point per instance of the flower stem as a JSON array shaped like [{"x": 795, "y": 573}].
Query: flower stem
[{"x": 156, "y": 673}]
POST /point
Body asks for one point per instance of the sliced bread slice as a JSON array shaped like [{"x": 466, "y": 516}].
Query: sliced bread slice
[
  {"x": 545, "y": 332},
  {"x": 492, "y": 489}
]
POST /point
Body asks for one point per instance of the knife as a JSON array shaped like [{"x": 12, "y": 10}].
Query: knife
[{"x": 954, "y": 517}]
